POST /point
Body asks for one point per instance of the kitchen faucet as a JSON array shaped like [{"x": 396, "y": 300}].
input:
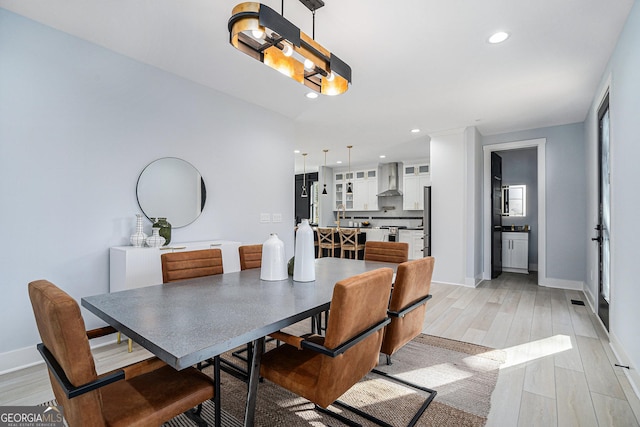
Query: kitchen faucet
[{"x": 344, "y": 213}]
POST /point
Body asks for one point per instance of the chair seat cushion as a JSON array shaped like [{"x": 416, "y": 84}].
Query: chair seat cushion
[
  {"x": 293, "y": 369},
  {"x": 156, "y": 397}
]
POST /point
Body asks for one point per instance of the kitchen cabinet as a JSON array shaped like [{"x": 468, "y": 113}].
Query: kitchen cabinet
[
  {"x": 365, "y": 190},
  {"x": 131, "y": 267},
  {"x": 340, "y": 191},
  {"x": 416, "y": 177},
  {"x": 376, "y": 234},
  {"x": 515, "y": 252},
  {"x": 415, "y": 239},
  {"x": 364, "y": 196}
]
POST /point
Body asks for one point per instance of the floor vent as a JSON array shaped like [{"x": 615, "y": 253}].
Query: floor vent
[{"x": 577, "y": 302}]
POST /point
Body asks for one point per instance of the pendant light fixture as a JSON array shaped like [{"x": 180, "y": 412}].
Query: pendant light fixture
[
  {"x": 304, "y": 175},
  {"x": 349, "y": 186},
  {"x": 324, "y": 176},
  {"x": 267, "y": 36}
]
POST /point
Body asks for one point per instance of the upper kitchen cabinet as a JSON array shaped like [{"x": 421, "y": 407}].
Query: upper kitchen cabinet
[
  {"x": 342, "y": 199},
  {"x": 364, "y": 190},
  {"x": 416, "y": 177}
]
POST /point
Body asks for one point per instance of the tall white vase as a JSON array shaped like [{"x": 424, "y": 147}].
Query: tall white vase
[
  {"x": 273, "y": 265},
  {"x": 304, "y": 267}
]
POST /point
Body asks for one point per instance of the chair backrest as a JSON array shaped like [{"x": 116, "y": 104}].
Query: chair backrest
[
  {"x": 358, "y": 303},
  {"x": 413, "y": 281},
  {"x": 63, "y": 332},
  {"x": 191, "y": 264},
  {"x": 397, "y": 252},
  {"x": 348, "y": 236},
  {"x": 250, "y": 256},
  {"x": 326, "y": 236}
]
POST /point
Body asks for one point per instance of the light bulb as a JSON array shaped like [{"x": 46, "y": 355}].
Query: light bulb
[
  {"x": 308, "y": 64},
  {"x": 330, "y": 76},
  {"x": 287, "y": 50},
  {"x": 259, "y": 34}
]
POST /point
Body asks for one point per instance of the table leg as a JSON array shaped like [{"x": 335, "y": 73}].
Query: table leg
[
  {"x": 216, "y": 387},
  {"x": 254, "y": 378}
]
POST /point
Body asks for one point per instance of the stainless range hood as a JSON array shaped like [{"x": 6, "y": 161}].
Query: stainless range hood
[{"x": 389, "y": 180}]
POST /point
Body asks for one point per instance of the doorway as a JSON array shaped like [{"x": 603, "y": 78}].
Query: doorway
[
  {"x": 539, "y": 144},
  {"x": 604, "y": 212}
]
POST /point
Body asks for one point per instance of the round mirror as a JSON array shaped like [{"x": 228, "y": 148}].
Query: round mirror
[{"x": 171, "y": 188}]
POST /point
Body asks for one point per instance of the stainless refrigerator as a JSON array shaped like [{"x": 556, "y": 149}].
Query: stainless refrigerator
[{"x": 426, "y": 221}]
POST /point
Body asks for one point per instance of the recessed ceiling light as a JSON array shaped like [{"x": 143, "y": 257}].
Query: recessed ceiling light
[
  {"x": 296, "y": 151},
  {"x": 382, "y": 156},
  {"x": 339, "y": 162},
  {"x": 498, "y": 37},
  {"x": 311, "y": 95},
  {"x": 415, "y": 130}
]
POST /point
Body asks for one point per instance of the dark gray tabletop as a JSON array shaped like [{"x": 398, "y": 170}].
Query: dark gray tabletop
[{"x": 186, "y": 322}]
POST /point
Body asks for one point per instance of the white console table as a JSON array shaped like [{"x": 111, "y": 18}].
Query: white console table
[{"x": 131, "y": 267}]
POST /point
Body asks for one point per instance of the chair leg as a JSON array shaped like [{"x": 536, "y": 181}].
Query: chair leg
[
  {"x": 388, "y": 359},
  {"x": 369, "y": 417}
]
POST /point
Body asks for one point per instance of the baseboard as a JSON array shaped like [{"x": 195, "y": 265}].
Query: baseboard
[
  {"x": 632, "y": 373},
  {"x": 452, "y": 283},
  {"x": 26, "y": 357},
  {"x": 573, "y": 285},
  {"x": 473, "y": 282}
]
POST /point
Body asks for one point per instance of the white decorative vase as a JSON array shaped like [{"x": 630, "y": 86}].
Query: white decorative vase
[
  {"x": 274, "y": 264},
  {"x": 155, "y": 240},
  {"x": 304, "y": 267},
  {"x": 138, "y": 238}
]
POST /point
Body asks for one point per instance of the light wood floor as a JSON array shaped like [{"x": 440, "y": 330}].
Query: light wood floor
[{"x": 559, "y": 369}]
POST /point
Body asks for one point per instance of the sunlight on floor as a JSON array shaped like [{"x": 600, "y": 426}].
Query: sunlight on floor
[{"x": 536, "y": 349}]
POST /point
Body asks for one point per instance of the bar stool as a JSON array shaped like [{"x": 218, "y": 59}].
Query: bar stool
[
  {"x": 327, "y": 240},
  {"x": 349, "y": 241}
]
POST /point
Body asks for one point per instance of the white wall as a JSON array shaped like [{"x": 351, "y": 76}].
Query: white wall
[
  {"x": 448, "y": 210},
  {"x": 474, "y": 190},
  {"x": 78, "y": 123},
  {"x": 622, "y": 72}
]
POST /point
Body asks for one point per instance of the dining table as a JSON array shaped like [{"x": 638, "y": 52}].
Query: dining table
[{"x": 191, "y": 321}]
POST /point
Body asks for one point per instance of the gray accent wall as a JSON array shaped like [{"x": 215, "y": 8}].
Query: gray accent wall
[
  {"x": 565, "y": 197},
  {"x": 78, "y": 123}
]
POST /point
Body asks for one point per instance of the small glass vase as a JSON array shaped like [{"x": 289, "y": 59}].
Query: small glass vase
[
  {"x": 155, "y": 240},
  {"x": 138, "y": 238},
  {"x": 165, "y": 228}
]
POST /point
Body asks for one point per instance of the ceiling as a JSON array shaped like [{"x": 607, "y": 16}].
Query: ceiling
[{"x": 416, "y": 64}]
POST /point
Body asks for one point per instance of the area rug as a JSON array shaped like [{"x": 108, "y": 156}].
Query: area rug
[{"x": 463, "y": 374}]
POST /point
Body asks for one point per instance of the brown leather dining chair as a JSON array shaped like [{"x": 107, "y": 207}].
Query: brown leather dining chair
[
  {"x": 191, "y": 264},
  {"x": 250, "y": 256},
  {"x": 321, "y": 369},
  {"x": 408, "y": 304},
  {"x": 146, "y": 393},
  {"x": 407, "y": 309},
  {"x": 397, "y": 252}
]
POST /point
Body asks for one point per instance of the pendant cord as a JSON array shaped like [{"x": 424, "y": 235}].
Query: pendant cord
[
  {"x": 282, "y": 8},
  {"x": 313, "y": 30}
]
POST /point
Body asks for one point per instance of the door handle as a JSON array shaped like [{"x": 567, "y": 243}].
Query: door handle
[{"x": 597, "y": 239}]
